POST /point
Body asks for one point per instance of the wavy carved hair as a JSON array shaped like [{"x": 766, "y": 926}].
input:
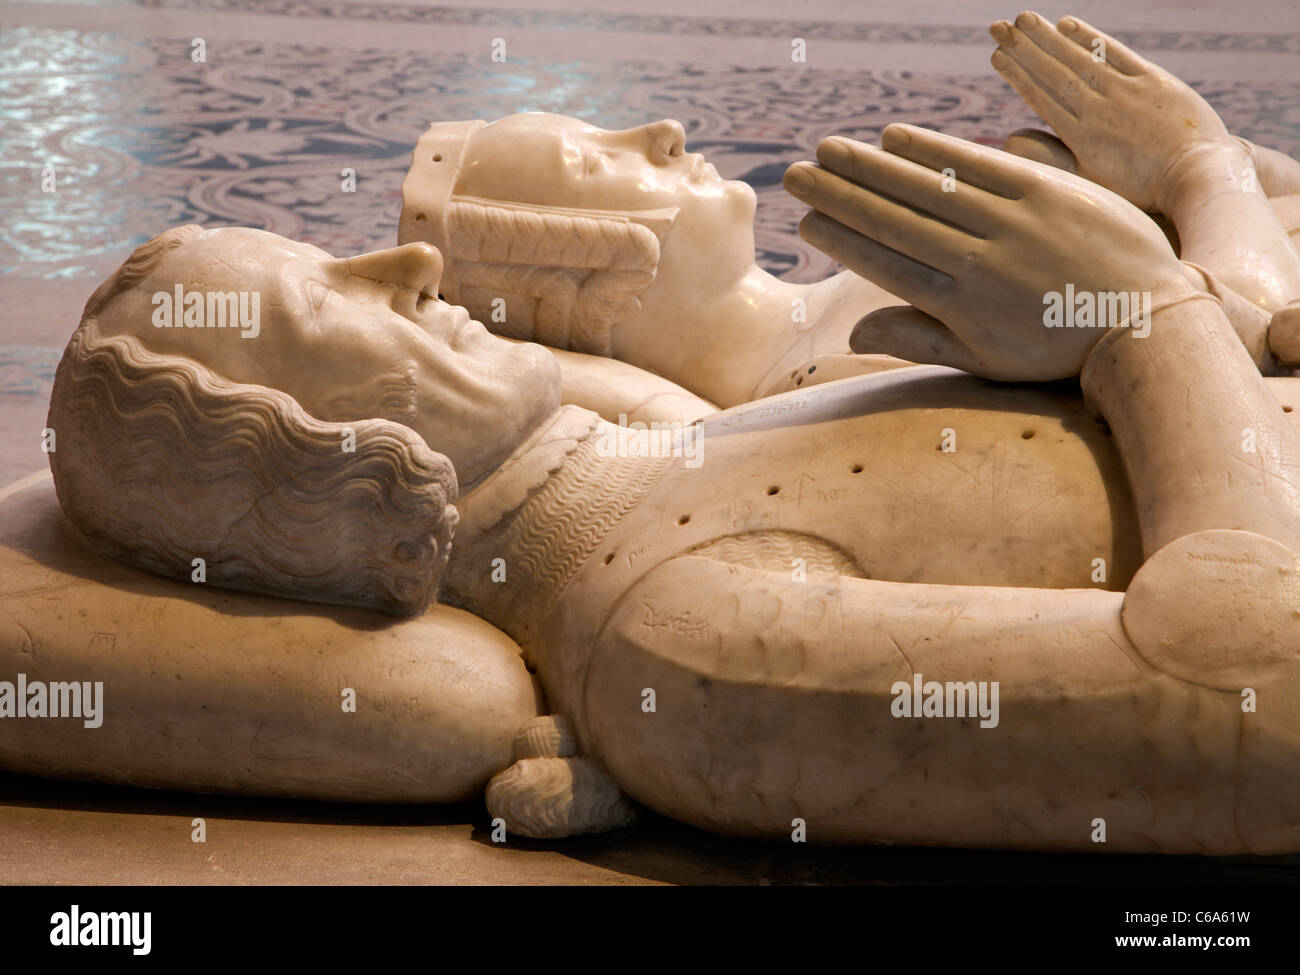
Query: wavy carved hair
[
  {"x": 567, "y": 279},
  {"x": 159, "y": 460}
]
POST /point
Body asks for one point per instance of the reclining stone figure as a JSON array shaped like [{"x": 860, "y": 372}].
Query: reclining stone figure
[
  {"x": 726, "y": 640},
  {"x": 620, "y": 243}
]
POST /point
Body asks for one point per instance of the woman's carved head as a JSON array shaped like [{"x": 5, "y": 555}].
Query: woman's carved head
[{"x": 557, "y": 230}]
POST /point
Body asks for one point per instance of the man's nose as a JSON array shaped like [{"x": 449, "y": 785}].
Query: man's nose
[{"x": 414, "y": 267}]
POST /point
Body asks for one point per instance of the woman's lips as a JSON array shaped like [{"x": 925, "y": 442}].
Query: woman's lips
[{"x": 701, "y": 170}]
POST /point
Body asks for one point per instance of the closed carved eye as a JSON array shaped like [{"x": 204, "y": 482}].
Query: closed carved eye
[
  {"x": 316, "y": 295},
  {"x": 594, "y": 162}
]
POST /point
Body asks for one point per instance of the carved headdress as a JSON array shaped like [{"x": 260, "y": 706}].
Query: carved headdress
[{"x": 563, "y": 277}]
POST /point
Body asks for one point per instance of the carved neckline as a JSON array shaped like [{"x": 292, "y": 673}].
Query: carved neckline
[
  {"x": 502, "y": 492},
  {"x": 534, "y": 523}
]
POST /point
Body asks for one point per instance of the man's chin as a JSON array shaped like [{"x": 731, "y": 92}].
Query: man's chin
[{"x": 535, "y": 386}]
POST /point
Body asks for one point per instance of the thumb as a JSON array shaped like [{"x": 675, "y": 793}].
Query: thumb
[
  {"x": 909, "y": 333},
  {"x": 1043, "y": 147},
  {"x": 1283, "y": 335}
]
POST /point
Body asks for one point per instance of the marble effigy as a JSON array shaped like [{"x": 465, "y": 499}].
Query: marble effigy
[{"x": 1039, "y": 591}]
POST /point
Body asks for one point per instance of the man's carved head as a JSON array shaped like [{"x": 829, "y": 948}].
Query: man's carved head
[
  {"x": 564, "y": 228},
  {"x": 293, "y": 455}
]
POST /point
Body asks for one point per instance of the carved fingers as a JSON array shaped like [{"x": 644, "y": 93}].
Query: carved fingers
[
  {"x": 976, "y": 166},
  {"x": 904, "y": 229},
  {"x": 911, "y": 170},
  {"x": 1049, "y": 77},
  {"x": 899, "y": 215},
  {"x": 1126, "y": 120},
  {"x": 901, "y": 274},
  {"x": 916, "y": 214},
  {"x": 979, "y": 241},
  {"x": 1085, "y": 36}
]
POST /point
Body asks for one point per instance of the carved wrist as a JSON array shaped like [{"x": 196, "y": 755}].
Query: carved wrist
[
  {"x": 1201, "y": 173},
  {"x": 1107, "y": 355}
]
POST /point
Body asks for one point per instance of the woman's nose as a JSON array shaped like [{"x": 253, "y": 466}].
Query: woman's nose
[
  {"x": 415, "y": 267},
  {"x": 667, "y": 139}
]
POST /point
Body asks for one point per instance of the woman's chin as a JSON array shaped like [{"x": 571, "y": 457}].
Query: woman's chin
[{"x": 744, "y": 200}]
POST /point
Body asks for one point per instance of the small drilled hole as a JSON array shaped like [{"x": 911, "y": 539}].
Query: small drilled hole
[
  {"x": 773, "y": 489},
  {"x": 856, "y": 468},
  {"x": 1027, "y": 435},
  {"x": 437, "y": 157},
  {"x": 609, "y": 558},
  {"x": 420, "y": 218},
  {"x": 811, "y": 370},
  {"x": 683, "y": 519},
  {"x": 1286, "y": 409},
  {"x": 799, "y": 381}
]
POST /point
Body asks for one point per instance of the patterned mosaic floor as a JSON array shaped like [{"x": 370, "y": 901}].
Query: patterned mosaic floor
[{"x": 140, "y": 137}]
